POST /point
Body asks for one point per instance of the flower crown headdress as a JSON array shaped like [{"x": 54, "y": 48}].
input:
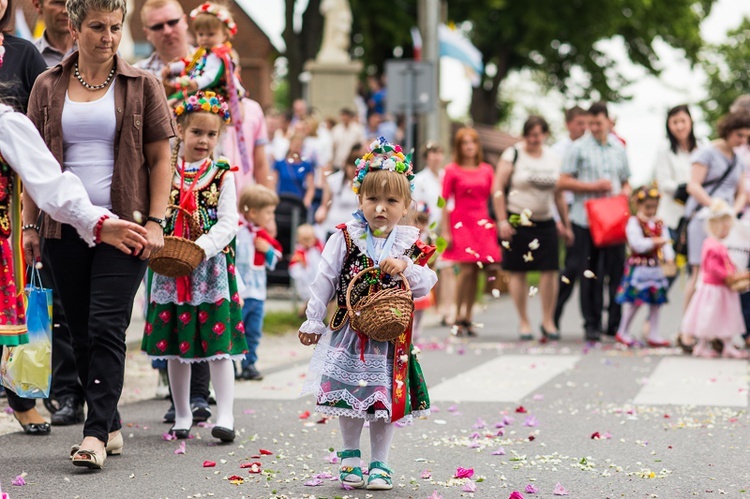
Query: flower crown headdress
[
  {"x": 205, "y": 101},
  {"x": 647, "y": 192},
  {"x": 382, "y": 155},
  {"x": 218, "y": 11}
]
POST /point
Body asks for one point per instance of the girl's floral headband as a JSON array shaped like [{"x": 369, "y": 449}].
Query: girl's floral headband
[
  {"x": 218, "y": 11},
  {"x": 647, "y": 192},
  {"x": 381, "y": 155},
  {"x": 206, "y": 102}
]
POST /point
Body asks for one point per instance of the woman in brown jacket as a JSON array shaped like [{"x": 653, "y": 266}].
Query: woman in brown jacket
[{"x": 109, "y": 124}]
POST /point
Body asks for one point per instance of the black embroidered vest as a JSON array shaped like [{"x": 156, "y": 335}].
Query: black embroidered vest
[{"x": 205, "y": 195}]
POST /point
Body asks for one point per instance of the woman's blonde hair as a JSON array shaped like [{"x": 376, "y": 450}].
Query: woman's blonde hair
[
  {"x": 385, "y": 181},
  {"x": 79, "y": 9}
]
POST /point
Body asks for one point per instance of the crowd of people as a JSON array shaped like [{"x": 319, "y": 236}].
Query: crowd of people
[{"x": 115, "y": 157}]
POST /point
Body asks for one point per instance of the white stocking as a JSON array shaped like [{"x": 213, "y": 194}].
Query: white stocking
[
  {"x": 351, "y": 431},
  {"x": 222, "y": 377},
  {"x": 628, "y": 312},
  {"x": 179, "y": 383},
  {"x": 381, "y": 436},
  {"x": 653, "y": 323}
]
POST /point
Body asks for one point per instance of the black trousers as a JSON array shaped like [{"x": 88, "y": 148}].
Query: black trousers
[
  {"x": 608, "y": 265},
  {"x": 565, "y": 289},
  {"x": 97, "y": 287}
]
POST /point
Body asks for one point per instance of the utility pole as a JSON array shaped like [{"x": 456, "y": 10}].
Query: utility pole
[{"x": 428, "y": 18}]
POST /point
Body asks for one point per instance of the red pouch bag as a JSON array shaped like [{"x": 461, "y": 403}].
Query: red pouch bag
[{"x": 608, "y": 218}]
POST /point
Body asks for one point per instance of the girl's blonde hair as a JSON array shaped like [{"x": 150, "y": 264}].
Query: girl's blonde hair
[
  {"x": 385, "y": 181},
  {"x": 206, "y": 21},
  {"x": 718, "y": 214}
]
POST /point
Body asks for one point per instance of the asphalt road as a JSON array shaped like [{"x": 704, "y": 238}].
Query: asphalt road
[{"x": 518, "y": 415}]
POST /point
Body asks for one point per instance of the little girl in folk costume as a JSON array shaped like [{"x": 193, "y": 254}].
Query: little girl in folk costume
[
  {"x": 714, "y": 311},
  {"x": 198, "y": 318},
  {"x": 644, "y": 281},
  {"x": 353, "y": 376},
  {"x": 210, "y": 67}
]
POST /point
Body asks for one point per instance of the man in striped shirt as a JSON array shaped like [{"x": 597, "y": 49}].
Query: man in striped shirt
[{"x": 596, "y": 166}]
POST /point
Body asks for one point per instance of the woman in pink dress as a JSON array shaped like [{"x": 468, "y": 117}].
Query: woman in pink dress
[
  {"x": 714, "y": 312},
  {"x": 467, "y": 227}
]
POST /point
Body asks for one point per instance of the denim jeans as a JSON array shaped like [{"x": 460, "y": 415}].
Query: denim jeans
[{"x": 252, "y": 317}]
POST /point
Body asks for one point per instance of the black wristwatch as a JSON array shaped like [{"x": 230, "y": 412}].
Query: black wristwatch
[{"x": 160, "y": 221}]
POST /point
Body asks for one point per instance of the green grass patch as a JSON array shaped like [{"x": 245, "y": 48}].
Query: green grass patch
[{"x": 281, "y": 322}]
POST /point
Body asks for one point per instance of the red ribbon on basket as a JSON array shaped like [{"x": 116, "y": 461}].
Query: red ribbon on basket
[{"x": 181, "y": 227}]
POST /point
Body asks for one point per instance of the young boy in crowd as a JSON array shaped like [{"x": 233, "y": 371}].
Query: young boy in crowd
[
  {"x": 304, "y": 265},
  {"x": 257, "y": 252}
]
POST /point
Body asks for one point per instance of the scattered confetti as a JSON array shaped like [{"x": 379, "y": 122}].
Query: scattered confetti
[
  {"x": 528, "y": 257},
  {"x": 304, "y": 415},
  {"x": 521, "y": 410},
  {"x": 469, "y": 486},
  {"x": 531, "y": 421},
  {"x": 496, "y": 293},
  {"x": 209, "y": 464},
  {"x": 236, "y": 480},
  {"x": 362, "y": 383},
  {"x": 499, "y": 452},
  {"x": 515, "y": 495},
  {"x": 534, "y": 245},
  {"x": 265, "y": 452},
  {"x": 589, "y": 274},
  {"x": 531, "y": 489},
  {"x": 19, "y": 480},
  {"x": 180, "y": 449},
  {"x": 426, "y": 475},
  {"x": 565, "y": 279},
  {"x": 506, "y": 245},
  {"x": 441, "y": 202},
  {"x": 533, "y": 290},
  {"x": 314, "y": 482},
  {"x": 464, "y": 472},
  {"x": 168, "y": 437},
  {"x": 559, "y": 490},
  {"x": 435, "y": 495},
  {"x": 458, "y": 225},
  {"x": 137, "y": 217}
]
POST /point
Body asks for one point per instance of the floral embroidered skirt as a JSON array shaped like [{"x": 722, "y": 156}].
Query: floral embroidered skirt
[
  {"x": 12, "y": 310},
  {"x": 208, "y": 326},
  {"x": 642, "y": 285},
  {"x": 344, "y": 385}
]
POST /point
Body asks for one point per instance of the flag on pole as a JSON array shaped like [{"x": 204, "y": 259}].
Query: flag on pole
[
  {"x": 416, "y": 37},
  {"x": 455, "y": 45}
]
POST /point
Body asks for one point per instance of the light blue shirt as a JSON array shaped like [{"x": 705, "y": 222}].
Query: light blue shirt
[{"x": 588, "y": 160}]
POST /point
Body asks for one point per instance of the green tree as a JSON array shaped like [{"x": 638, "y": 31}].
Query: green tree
[
  {"x": 559, "y": 37},
  {"x": 302, "y": 44},
  {"x": 727, "y": 66}
]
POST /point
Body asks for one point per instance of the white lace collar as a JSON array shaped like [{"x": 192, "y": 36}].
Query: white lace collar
[{"x": 406, "y": 236}]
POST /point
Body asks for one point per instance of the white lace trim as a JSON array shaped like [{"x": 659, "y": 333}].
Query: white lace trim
[
  {"x": 381, "y": 414},
  {"x": 354, "y": 403},
  {"x": 406, "y": 236},
  {"x": 314, "y": 327},
  {"x": 200, "y": 359},
  {"x": 209, "y": 283}
]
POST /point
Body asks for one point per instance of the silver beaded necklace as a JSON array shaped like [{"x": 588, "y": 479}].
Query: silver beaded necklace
[{"x": 94, "y": 87}]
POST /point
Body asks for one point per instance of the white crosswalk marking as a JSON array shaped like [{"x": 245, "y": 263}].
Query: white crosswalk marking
[
  {"x": 282, "y": 385},
  {"x": 691, "y": 381},
  {"x": 508, "y": 378}
]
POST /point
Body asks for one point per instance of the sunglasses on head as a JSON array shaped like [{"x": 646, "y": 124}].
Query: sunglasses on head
[{"x": 160, "y": 26}]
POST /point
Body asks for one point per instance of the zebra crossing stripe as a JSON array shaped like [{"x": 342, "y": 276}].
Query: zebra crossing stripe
[
  {"x": 692, "y": 381},
  {"x": 508, "y": 378}
]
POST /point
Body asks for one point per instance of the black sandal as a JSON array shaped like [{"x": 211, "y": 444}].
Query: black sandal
[
  {"x": 687, "y": 349},
  {"x": 469, "y": 330},
  {"x": 547, "y": 336}
]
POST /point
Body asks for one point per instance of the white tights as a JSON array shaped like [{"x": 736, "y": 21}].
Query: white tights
[
  {"x": 381, "y": 436},
  {"x": 628, "y": 312},
  {"x": 222, "y": 378}
]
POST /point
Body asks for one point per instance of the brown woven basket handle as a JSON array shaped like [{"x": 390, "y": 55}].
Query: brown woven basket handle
[
  {"x": 367, "y": 271},
  {"x": 193, "y": 226}
]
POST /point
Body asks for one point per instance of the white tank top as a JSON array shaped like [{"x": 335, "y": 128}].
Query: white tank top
[{"x": 89, "y": 144}]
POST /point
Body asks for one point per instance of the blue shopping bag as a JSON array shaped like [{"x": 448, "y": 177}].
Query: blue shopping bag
[{"x": 27, "y": 369}]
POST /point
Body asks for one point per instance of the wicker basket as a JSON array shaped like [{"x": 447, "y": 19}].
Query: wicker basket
[
  {"x": 180, "y": 256},
  {"x": 382, "y": 316}
]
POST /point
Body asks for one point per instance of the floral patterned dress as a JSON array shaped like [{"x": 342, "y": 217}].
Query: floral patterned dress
[
  {"x": 644, "y": 280},
  {"x": 350, "y": 374},
  {"x": 200, "y": 318}
]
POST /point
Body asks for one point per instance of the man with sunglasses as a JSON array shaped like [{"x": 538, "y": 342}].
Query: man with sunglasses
[{"x": 165, "y": 25}]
